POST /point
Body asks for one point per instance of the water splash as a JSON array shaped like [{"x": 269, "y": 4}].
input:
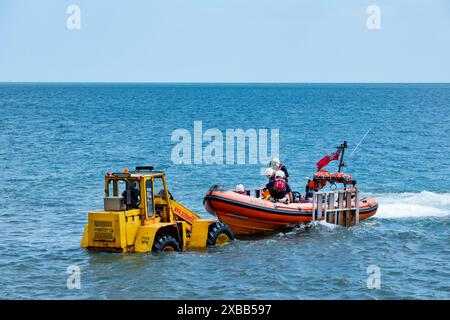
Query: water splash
[
  {"x": 407, "y": 205},
  {"x": 323, "y": 225}
]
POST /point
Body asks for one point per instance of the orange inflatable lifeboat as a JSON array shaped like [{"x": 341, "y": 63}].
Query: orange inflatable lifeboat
[{"x": 246, "y": 214}]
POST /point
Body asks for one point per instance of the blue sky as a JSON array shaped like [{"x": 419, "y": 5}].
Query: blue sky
[{"x": 225, "y": 41}]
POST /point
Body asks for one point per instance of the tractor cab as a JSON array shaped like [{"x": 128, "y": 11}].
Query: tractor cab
[{"x": 143, "y": 189}]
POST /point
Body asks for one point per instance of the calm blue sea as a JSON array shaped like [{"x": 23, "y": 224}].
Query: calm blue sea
[{"x": 58, "y": 140}]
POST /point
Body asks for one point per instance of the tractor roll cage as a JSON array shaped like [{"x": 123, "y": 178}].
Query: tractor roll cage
[{"x": 146, "y": 182}]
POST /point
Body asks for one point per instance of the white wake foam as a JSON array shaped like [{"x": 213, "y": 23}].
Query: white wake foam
[{"x": 407, "y": 205}]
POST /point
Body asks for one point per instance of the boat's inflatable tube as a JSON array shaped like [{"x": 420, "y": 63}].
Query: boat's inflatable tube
[{"x": 248, "y": 215}]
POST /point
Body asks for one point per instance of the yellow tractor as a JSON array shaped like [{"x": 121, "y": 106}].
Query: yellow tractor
[{"x": 140, "y": 215}]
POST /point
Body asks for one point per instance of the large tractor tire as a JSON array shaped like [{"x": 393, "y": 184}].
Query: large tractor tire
[
  {"x": 165, "y": 243},
  {"x": 219, "y": 234}
]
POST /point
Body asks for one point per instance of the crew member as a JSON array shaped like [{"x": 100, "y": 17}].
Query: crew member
[
  {"x": 279, "y": 189},
  {"x": 240, "y": 189},
  {"x": 269, "y": 173},
  {"x": 277, "y": 165}
]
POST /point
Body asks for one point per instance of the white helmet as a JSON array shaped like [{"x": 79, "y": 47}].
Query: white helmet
[
  {"x": 240, "y": 188},
  {"x": 280, "y": 174},
  {"x": 275, "y": 162},
  {"x": 269, "y": 172}
]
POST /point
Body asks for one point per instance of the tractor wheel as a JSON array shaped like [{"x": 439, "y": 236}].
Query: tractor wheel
[
  {"x": 219, "y": 234},
  {"x": 165, "y": 243}
]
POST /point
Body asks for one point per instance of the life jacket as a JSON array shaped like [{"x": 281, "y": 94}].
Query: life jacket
[
  {"x": 280, "y": 186},
  {"x": 316, "y": 185}
]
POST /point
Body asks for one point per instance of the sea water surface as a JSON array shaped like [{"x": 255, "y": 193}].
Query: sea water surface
[{"x": 58, "y": 140}]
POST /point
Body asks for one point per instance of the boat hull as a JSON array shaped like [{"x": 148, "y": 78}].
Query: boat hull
[{"x": 246, "y": 215}]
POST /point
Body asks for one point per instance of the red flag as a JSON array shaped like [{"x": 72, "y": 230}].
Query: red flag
[{"x": 326, "y": 160}]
